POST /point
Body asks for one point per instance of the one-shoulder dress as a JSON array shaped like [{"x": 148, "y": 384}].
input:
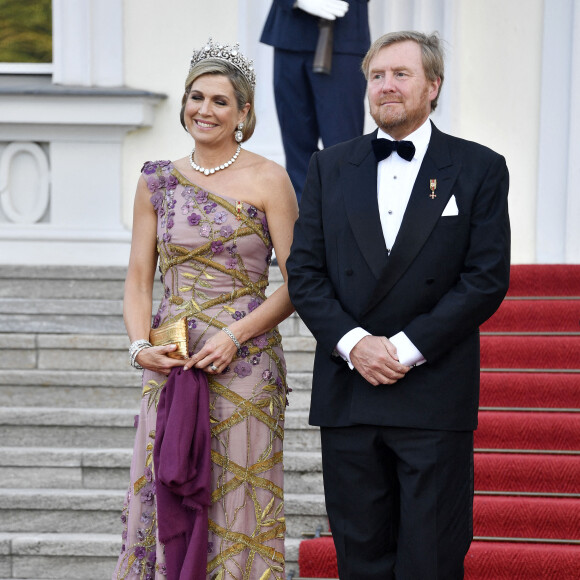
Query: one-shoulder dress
[{"x": 214, "y": 257}]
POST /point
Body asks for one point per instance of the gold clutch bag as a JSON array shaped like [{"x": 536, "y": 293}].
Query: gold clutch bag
[{"x": 172, "y": 333}]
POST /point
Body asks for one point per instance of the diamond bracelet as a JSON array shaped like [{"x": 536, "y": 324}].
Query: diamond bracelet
[
  {"x": 135, "y": 348},
  {"x": 234, "y": 339}
]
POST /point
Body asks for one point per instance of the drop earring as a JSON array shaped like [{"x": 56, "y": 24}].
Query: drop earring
[{"x": 238, "y": 135}]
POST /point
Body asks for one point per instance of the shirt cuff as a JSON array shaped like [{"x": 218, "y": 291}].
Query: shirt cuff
[
  {"x": 349, "y": 341},
  {"x": 406, "y": 350}
]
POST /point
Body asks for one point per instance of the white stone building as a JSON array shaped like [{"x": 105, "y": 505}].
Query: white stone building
[{"x": 74, "y": 134}]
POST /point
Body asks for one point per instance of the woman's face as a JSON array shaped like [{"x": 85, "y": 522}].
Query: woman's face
[{"x": 211, "y": 111}]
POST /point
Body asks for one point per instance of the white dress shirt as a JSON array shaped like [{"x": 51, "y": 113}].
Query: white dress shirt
[{"x": 395, "y": 180}]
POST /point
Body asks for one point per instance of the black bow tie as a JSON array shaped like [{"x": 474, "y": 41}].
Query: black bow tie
[{"x": 384, "y": 147}]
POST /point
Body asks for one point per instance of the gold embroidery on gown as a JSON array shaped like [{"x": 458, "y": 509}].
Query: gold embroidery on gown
[{"x": 214, "y": 255}]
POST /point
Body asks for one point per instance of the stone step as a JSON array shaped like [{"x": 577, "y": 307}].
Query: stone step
[
  {"x": 113, "y": 379},
  {"x": 43, "y": 306},
  {"x": 70, "y": 378},
  {"x": 76, "y": 556},
  {"x": 63, "y": 281},
  {"x": 25, "y": 351},
  {"x": 304, "y": 512},
  {"x": 303, "y": 472},
  {"x": 67, "y": 403},
  {"x": 61, "y": 324},
  {"x": 59, "y": 427},
  {"x": 29, "y": 467},
  {"x": 58, "y": 556},
  {"x": 78, "y": 283},
  {"x": 61, "y": 289},
  {"x": 66, "y": 427},
  {"x": 77, "y": 396},
  {"x": 298, "y": 434},
  {"x": 60, "y": 510},
  {"x": 58, "y": 388},
  {"x": 65, "y": 316},
  {"x": 100, "y": 389},
  {"x": 291, "y": 547},
  {"x": 84, "y": 300},
  {"x": 26, "y": 468},
  {"x": 65, "y": 351},
  {"x": 74, "y": 511}
]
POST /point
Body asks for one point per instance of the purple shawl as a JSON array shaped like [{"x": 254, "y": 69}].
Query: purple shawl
[{"x": 182, "y": 462}]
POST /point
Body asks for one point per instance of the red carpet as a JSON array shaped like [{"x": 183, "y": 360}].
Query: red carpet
[
  {"x": 527, "y": 473},
  {"x": 544, "y": 280},
  {"x": 317, "y": 557},
  {"x": 522, "y": 561},
  {"x": 527, "y": 461},
  {"x": 530, "y": 352},
  {"x": 499, "y": 560},
  {"x": 528, "y": 430},
  {"x": 535, "y": 316},
  {"x": 530, "y": 390},
  {"x": 525, "y": 516}
]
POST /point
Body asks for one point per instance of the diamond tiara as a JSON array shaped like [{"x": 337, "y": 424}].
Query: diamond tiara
[{"x": 226, "y": 53}]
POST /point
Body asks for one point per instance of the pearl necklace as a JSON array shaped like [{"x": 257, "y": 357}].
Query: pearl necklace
[{"x": 213, "y": 169}]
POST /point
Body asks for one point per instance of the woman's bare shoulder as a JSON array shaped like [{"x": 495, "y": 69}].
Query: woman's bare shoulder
[
  {"x": 181, "y": 164},
  {"x": 268, "y": 173}
]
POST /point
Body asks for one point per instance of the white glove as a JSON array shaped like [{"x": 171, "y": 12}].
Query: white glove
[{"x": 328, "y": 9}]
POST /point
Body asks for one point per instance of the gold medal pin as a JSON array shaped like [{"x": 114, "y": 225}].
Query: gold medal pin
[{"x": 433, "y": 187}]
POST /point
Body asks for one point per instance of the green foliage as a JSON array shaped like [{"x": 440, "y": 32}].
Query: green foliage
[{"x": 25, "y": 30}]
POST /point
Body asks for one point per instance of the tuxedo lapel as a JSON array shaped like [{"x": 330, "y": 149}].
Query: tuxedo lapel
[
  {"x": 358, "y": 181},
  {"x": 422, "y": 213}
]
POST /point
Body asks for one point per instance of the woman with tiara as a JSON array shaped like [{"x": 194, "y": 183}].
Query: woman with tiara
[{"x": 211, "y": 220}]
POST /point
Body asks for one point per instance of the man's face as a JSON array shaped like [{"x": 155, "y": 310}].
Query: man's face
[{"x": 399, "y": 93}]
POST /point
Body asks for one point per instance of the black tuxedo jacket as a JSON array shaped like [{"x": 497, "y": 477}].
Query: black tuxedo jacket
[
  {"x": 290, "y": 28},
  {"x": 443, "y": 278}
]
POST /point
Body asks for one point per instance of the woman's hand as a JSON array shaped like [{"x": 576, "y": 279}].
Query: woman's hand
[
  {"x": 155, "y": 359},
  {"x": 217, "y": 353}
]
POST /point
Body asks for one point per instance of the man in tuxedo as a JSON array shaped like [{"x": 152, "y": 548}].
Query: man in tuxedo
[
  {"x": 400, "y": 253},
  {"x": 312, "y": 105}
]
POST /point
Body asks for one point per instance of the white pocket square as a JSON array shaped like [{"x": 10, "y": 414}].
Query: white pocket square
[{"x": 450, "y": 208}]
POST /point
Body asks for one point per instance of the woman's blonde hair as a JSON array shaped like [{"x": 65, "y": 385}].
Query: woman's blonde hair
[{"x": 242, "y": 90}]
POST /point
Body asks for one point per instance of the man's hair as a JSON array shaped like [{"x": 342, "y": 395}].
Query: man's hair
[{"x": 431, "y": 53}]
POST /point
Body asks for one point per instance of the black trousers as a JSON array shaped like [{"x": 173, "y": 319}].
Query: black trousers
[
  {"x": 399, "y": 501},
  {"x": 313, "y": 106}
]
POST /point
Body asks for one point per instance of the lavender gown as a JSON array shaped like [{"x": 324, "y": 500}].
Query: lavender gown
[{"x": 214, "y": 255}]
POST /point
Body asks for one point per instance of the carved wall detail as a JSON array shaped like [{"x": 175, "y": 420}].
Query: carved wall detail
[{"x": 24, "y": 183}]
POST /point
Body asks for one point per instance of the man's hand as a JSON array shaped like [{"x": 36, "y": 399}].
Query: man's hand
[
  {"x": 375, "y": 358},
  {"x": 328, "y": 9}
]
